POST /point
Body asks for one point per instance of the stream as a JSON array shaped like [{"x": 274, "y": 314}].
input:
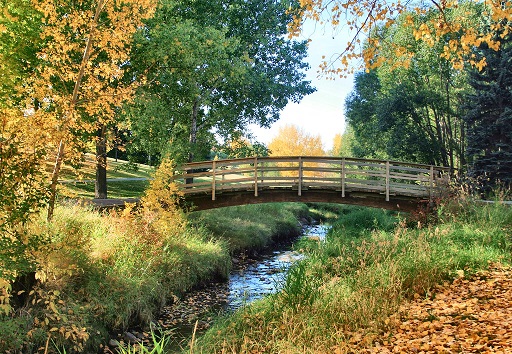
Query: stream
[
  {"x": 264, "y": 275},
  {"x": 250, "y": 279}
]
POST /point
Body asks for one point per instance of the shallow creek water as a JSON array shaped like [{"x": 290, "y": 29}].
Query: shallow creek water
[{"x": 250, "y": 279}]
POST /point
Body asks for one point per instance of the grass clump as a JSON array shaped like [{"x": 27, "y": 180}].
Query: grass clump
[
  {"x": 253, "y": 226},
  {"x": 372, "y": 261},
  {"x": 102, "y": 273}
]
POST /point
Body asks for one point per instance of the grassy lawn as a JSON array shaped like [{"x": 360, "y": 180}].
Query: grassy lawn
[
  {"x": 84, "y": 176},
  {"x": 115, "y": 169},
  {"x": 116, "y": 189}
]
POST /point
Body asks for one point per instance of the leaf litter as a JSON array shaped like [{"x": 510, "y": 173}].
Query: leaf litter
[{"x": 470, "y": 315}]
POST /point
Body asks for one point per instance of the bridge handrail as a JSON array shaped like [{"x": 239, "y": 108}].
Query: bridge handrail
[
  {"x": 299, "y": 173},
  {"x": 200, "y": 164}
]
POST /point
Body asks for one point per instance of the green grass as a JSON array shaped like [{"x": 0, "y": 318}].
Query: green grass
[
  {"x": 102, "y": 273},
  {"x": 115, "y": 189},
  {"x": 369, "y": 265},
  {"x": 252, "y": 226},
  {"x": 79, "y": 182},
  {"x": 115, "y": 169}
]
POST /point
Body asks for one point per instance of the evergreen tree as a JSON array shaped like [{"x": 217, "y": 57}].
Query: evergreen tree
[{"x": 489, "y": 118}]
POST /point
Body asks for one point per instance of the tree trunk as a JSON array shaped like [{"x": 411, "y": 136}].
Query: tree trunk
[
  {"x": 100, "y": 186},
  {"x": 192, "y": 138},
  {"x": 71, "y": 111},
  {"x": 54, "y": 180}
]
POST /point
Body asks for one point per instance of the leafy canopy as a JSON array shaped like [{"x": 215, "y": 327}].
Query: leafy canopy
[
  {"x": 409, "y": 111},
  {"x": 291, "y": 140},
  {"x": 448, "y": 19},
  {"x": 214, "y": 68}
]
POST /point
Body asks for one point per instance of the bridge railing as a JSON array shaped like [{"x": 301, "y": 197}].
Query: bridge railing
[{"x": 303, "y": 173}]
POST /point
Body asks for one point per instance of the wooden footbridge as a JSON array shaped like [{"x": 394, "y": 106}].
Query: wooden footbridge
[{"x": 377, "y": 183}]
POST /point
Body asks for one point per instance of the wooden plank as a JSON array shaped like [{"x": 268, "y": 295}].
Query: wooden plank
[
  {"x": 197, "y": 190},
  {"x": 327, "y": 179},
  {"x": 321, "y": 169},
  {"x": 196, "y": 184},
  {"x": 236, "y": 180},
  {"x": 192, "y": 175},
  {"x": 213, "y": 180},
  {"x": 387, "y": 181},
  {"x": 431, "y": 189},
  {"x": 343, "y": 176},
  {"x": 409, "y": 177},
  {"x": 235, "y": 171},
  {"x": 410, "y": 169},
  {"x": 279, "y": 169},
  {"x": 300, "y": 177},
  {"x": 255, "y": 176},
  {"x": 323, "y": 185}
]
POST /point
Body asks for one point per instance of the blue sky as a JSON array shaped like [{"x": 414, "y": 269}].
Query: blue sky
[{"x": 320, "y": 113}]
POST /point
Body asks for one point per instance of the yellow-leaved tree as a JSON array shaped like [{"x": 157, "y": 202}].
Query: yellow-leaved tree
[
  {"x": 79, "y": 81},
  {"x": 459, "y": 25},
  {"x": 337, "y": 143},
  {"x": 291, "y": 140}
]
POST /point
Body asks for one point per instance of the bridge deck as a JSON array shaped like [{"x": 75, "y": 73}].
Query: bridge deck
[{"x": 217, "y": 183}]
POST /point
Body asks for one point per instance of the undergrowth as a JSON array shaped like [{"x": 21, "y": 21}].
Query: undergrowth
[
  {"x": 253, "y": 226},
  {"x": 100, "y": 273}
]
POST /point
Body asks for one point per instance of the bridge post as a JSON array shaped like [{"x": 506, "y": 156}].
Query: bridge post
[
  {"x": 213, "y": 179},
  {"x": 431, "y": 189},
  {"x": 387, "y": 181},
  {"x": 256, "y": 176},
  {"x": 343, "y": 177},
  {"x": 300, "y": 176}
]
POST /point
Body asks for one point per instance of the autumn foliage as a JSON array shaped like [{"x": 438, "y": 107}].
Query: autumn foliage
[
  {"x": 294, "y": 141},
  {"x": 470, "y": 315},
  {"x": 458, "y": 26}
]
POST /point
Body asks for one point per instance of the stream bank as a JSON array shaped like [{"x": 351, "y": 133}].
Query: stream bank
[
  {"x": 253, "y": 276},
  {"x": 250, "y": 279},
  {"x": 248, "y": 232}
]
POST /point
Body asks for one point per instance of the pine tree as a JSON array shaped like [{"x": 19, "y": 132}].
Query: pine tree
[{"x": 489, "y": 118}]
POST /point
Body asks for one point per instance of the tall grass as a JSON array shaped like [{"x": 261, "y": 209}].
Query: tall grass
[
  {"x": 102, "y": 273},
  {"x": 372, "y": 261},
  {"x": 252, "y": 226}
]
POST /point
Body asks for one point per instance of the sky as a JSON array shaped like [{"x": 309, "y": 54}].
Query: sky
[{"x": 320, "y": 113}]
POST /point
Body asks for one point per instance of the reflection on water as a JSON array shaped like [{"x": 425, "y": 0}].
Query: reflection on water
[{"x": 265, "y": 275}]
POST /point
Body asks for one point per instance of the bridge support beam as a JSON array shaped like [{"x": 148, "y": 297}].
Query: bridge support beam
[{"x": 268, "y": 196}]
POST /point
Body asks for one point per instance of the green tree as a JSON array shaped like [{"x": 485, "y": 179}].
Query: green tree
[
  {"x": 215, "y": 67},
  {"x": 360, "y": 112},
  {"x": 489, "y": 117},
  {"x": 409, "y": 109},
  {"x": 78, "y": 84}
]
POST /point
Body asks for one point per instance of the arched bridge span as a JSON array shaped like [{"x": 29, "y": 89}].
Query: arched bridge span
[{"x": 376, "y": 183}]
